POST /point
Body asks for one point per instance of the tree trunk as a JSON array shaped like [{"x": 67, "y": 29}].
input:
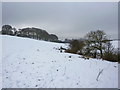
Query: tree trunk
[
  {"x": 101, "y": 53},
  {"x": 101, "y": 49}
]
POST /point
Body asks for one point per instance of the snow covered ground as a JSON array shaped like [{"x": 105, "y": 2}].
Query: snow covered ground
[
  {"x": 115, "y": 44},
  {"x": 28, "y": 63}
]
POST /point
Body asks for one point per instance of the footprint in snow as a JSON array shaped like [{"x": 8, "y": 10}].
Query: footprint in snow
[
  {"x": 67, "y": 77},
  {"x": 36, "y": 85},
  {"x": 6, "y": 77},
  {"x": 39, "y": 79},
  {"x": 38, "y": 50},
  {"x": 53, "y": 61},
  {"x": 24, "y": 58}
]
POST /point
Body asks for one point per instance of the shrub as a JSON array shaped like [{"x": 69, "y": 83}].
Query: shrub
[
  {"x": 75, "y": 47},
  {"x": 113, "y": 57}
]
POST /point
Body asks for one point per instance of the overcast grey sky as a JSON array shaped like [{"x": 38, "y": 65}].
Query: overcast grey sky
[{"x": 65, "y": 19}]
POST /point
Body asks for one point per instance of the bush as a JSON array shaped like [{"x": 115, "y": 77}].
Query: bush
[
  {"x": 76, "y": 47},
  {"x": 108, "y": 56},
  {"x": 112, "y": 57},
  {"x": 111, "y": 53}
]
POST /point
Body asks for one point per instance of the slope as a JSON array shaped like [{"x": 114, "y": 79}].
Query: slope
[{"x": 28, "y": 63}]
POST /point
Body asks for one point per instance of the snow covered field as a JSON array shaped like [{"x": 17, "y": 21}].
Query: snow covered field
[
  {"x": 28, "y": 63},
  {"x": 115, "y": 44}
]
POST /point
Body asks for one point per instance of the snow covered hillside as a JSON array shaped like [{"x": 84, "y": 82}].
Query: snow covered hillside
[
  {"x": 115, "y": 44},
  {"x": 28, "y": 63}
]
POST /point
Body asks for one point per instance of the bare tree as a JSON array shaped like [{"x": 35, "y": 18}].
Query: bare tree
[{"x": 95, "y": 40}]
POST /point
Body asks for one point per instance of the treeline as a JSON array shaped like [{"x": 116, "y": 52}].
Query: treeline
[
  {"x": 95, "y": 45},
  {"x": 34, "y": 33}
]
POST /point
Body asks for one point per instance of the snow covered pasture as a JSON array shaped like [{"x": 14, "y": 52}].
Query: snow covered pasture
[{"x": 28, "y": 63}]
